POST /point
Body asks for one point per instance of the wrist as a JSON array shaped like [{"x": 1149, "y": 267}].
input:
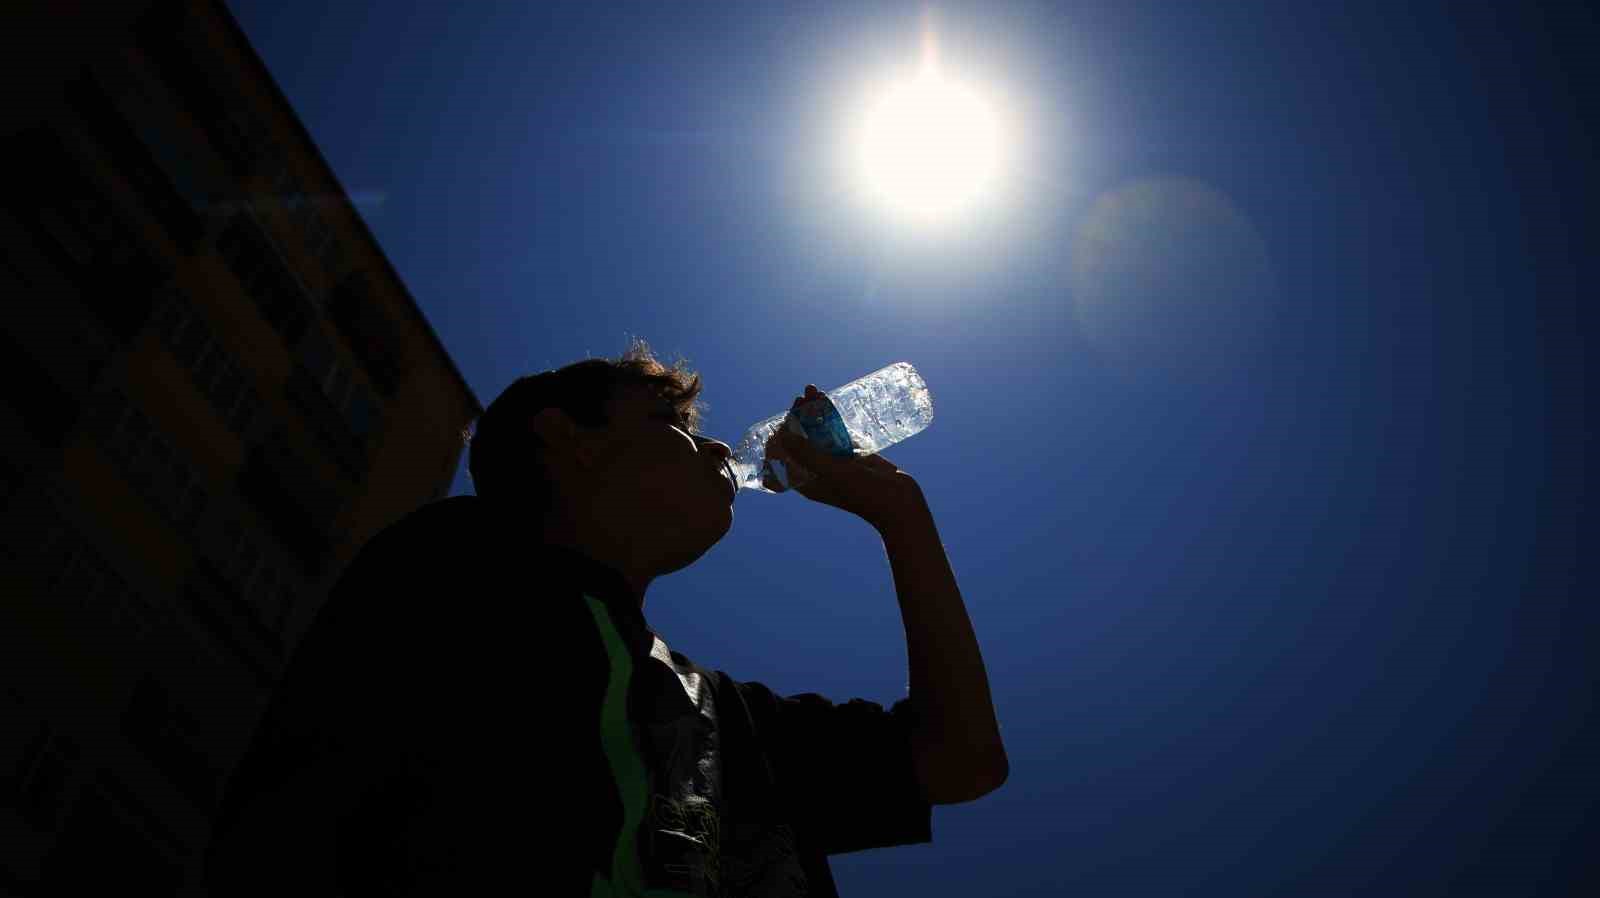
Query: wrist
[{"x": 905, "y": 507}]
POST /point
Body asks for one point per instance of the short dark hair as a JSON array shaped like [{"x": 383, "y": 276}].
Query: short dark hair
[{"x": 504, "y": 454}]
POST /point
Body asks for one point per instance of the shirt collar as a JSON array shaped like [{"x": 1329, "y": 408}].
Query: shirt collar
[{"x": 593, "y": 577}]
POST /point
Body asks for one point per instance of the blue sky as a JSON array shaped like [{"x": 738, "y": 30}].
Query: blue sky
[{"x": 1259, "y": 419}]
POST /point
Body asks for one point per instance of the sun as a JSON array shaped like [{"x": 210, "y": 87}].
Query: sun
[{"x": 928, "y": 147}]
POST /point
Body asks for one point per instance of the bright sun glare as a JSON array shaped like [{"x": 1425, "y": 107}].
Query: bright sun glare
[{"x": 928, "y": 147}]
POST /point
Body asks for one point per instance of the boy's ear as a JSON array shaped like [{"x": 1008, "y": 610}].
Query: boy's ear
[{"x": 561, "y": 436}]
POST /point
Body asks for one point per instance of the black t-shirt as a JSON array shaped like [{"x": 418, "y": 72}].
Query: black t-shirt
[{"x": 482, "y": 709}]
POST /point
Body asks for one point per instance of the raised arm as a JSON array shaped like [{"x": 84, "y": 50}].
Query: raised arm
[{"x": 957, "y": 748}]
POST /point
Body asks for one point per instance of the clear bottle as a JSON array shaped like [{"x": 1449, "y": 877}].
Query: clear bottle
[{"x": 864, "y": 417}]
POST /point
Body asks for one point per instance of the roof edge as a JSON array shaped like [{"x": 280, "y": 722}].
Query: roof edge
[{"x": 255, "y": 60}]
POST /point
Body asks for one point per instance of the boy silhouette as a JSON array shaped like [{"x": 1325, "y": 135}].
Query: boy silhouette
[{"x": 481, "y": 705}]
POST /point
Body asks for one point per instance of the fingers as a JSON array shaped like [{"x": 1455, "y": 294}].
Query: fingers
[
  {"x": 880, "y": 463},
  {"x": 798, "y": 447},
  {"x": 811, "y": 393},
  {"x": 792, "y": 445},
  {"x": 799, "y": 451}
]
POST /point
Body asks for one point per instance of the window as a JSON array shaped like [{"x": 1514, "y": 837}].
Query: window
[
  {"x": 39, "y": 769},
  {"x": 245, "y": 413},
  {"x": 204, "y": 372},
  {"x": 284, "y": 189},
  {"x": 226, "y": 545},
  {"x": 60, "y": 335},
  {"x": 238, "y": 561},
  {"x": 189, "y": 342},
  {"x": 133, "y": 158},
  {"x": 171, "y": 312},
  {"x": 288, "y": 596},
  {"x": 176, "y": 491},
  {"x": 61, "y": 223},
  {"x": 233, "y": 555},
  {"x": 64, "y": 208},
  {"x": 266, "y": 593},
  {"x": 362, "y": 414},
  {"x": 306, "y": 394},
  {"x": 105, "y": 415},
  {"x": 148, "y": 460},
  {"x": 227, "y": 388},
  {"x": 202, "y": 86},
  {"x": 195, "y": 499},
  {"x": 154, "y": 120},
  {"x": 46, "y": 409},
  {"x": 245, "y": 561},
  {"x": 331, "y": 252},
  {"x": 337, "y": 386},
  {"x": 266, "y": 279},
  {"x": 368, "y": 331},
  {"x": 168, "y": 734},
  {"x": 298, "y": 506},
  {"x": 305, "y": 212},
  {"x": 214, "y": 372},
  {"x": 10, "y": 481},
  {"x": 324, "y": 389},
  {"x": 84, "y": 581},
  {"x": 127, "y": 444},
  {"x": 319, "y": 359},
  {"x": 110, "y": 837},
  {"x": 331, "y": 372},
  {"x": 214, "y": 603},
  {"x": 157, "y": 461}
]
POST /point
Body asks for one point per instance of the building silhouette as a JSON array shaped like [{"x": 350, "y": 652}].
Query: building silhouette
[{"x": 215, "y": 389}]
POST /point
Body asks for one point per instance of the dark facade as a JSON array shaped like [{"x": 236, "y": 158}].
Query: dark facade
[{"x": 215, "y": 389}]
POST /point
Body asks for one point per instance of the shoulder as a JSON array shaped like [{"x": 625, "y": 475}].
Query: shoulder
[
  {"x": 766, "y": 704},
  {"x": 456, "y": 523},
  {"x": 439, "y": 597},
  {"x": 453, "y": 553}
]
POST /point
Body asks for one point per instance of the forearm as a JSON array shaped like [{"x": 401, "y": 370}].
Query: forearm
[{"x": 957, "y": 742}]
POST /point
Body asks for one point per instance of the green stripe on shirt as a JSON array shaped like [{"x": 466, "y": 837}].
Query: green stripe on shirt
[{"x": 627, "y": 768}]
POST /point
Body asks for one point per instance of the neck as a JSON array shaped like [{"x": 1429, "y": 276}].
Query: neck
[{"x": 600, "y": 544}]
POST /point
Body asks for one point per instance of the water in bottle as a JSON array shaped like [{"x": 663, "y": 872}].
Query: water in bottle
[{"x": 860, "y": 418}]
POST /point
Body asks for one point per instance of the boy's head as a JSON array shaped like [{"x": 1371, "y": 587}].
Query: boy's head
[{"x": 603, "y": 452}]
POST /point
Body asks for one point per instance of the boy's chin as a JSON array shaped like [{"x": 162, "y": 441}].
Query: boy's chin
[{"x": 691, "y": 554}]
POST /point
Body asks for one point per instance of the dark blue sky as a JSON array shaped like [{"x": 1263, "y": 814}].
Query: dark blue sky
[{"x": 1259, "y": 394}]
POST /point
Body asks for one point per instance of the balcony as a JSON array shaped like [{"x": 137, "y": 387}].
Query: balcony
[
  {"x": 111, "y": 836},
  {"x": 268, "y": 282},
  {"x": 305, "y": 393},
  {"x": 167, "y": 42},
  {"x": 294, "y": 502},
  {"x": 80, "y": 234},
  {"x": 44, "y": 407},
  {"x": 136, "y": 162},
  {"x": 213, "y": 600},
  {"x": 165, "y": 732},
  {"x": 369, "y": 332}
]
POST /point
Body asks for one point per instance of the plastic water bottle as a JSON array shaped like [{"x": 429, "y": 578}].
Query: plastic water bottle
[{"x": 862, "y": 418}]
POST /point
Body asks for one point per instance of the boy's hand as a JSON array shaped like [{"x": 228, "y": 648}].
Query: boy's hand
[{"x": 868, "y": 486}]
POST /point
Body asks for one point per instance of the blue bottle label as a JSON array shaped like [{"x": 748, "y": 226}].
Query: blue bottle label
[{"x": 819, "y": 422}]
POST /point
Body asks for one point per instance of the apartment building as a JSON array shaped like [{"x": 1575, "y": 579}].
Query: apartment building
[{"x": 215, "y": 388}]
